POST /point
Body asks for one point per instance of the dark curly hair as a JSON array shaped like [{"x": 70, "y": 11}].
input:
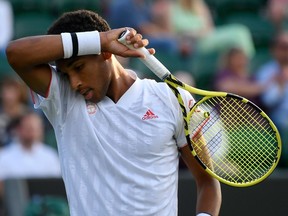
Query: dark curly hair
[{"x": 78, "y": 21}]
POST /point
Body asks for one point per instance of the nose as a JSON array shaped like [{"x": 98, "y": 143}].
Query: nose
[{"x": 75, "y": 82}]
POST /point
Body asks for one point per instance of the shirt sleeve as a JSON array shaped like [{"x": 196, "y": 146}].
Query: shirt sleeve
[
  {"x": 171, "y": 102},
  {"x": 59, "y": 98}
]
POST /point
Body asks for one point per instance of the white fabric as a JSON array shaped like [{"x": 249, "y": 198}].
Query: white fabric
[
  {"x": 203, "y": 214},
  {"x": 89, "y": 43},
  {"x": 6, "y": 23},
  {"x": 118, "y": 159},
  {"x": 67, "y": 44},
  {"x": 39, "y": 162}
]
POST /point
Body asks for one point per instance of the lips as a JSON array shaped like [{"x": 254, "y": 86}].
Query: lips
[{"x": 87, "y": 93}]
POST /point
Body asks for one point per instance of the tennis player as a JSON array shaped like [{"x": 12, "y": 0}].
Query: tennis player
[{"x": 118, "y": 136}]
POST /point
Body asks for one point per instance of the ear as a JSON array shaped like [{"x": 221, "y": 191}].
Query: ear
[{"x": 106, "y": 55}]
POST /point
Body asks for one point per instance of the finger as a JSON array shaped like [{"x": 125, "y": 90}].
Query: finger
[
  {"x": 141, "y": 43},
  {"x": 133, "y": 53},
  {"x": 152, "y": 51},
  {"x": 135, "y": 38},
  {"x": 131, "y": 34}
]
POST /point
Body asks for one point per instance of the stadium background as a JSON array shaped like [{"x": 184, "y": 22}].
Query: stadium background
[{"x": 32, "y": 17}]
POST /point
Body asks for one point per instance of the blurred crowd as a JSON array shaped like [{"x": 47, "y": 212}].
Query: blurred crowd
[{"x": 185, "y": 34}]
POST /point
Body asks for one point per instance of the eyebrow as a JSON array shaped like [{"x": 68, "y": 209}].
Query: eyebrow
[{"x": 71, "y": 61}]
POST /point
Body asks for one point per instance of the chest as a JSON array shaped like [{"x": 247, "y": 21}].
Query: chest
[{"x": 145, "y": 128}]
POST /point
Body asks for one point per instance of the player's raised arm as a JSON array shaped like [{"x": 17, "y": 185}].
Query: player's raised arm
[{"x": 30, "y": 56}]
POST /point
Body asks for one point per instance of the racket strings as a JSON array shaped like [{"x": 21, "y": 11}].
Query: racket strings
[
  {"x": 253, "y": 145},
  {"x": 248, "y": 155},
  {"x": 261, "y": 138}
]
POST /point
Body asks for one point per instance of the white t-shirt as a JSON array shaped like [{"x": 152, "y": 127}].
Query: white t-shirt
[
  {"x": 40, "y": 162},
  {"x": 117, "y": 159}
]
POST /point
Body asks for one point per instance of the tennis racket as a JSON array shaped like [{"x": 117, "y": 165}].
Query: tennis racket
[{"x": 232, "y": 138}]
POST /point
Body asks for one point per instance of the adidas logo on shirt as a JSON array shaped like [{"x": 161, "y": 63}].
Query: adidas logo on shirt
[{"x": 149, "y": 115}]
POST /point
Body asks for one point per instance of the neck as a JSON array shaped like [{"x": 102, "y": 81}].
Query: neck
[
  {"x": 121, "y": 81},
  {"x": 27, "y": 145}
]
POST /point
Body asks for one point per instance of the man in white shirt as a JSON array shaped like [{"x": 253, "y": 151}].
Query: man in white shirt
[
  {"x": 27, "y": 156},
  {"x": 118, "y": 136}
]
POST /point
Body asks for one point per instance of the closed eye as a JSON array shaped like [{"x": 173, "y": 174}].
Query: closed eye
[
  {"x": 62, "y": 73},
  {"x": 79, "y": 67}
]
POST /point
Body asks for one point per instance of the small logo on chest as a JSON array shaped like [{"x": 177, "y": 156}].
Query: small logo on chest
[
  {"x": 149, "y": 115},
  {"x": 91, "y": 108}
]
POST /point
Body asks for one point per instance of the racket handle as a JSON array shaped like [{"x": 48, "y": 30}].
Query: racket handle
[{"x": 150, "y": 61}]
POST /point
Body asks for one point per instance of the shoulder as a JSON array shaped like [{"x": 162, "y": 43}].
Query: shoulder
[
  {"x": 163, "y": 91},
  {"x": 268, "y": 67},
  {"x": 46, "y": 149},
  {"x": 8, "y": 152},
  {"x": 267, "y": 71}
]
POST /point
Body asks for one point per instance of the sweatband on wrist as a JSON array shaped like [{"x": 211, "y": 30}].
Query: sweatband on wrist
[
  {"x": 89, "y": 43},
  {"x": 81, "y": 43},
  {"x": 203, "y": 214},
  {"x": 74, "y": 44},
  {"x": 67, "y": 45}
]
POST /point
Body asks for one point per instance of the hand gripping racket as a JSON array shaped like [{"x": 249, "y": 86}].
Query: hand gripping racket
[{"x": 232, "y": 138}]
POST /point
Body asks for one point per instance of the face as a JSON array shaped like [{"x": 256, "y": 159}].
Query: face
[
  {"x": 238, "y": 61},
  {"x": 10, "y": 94},
  {"x": 30, "y": 130},
  {"x": 89, "y": 75},
  {"x": 281, "y": 49}
]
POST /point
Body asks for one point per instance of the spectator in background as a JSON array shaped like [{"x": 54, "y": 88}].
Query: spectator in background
[
  {"x": 6, "y": 24},
  {"x": 277, "y": 12},
  {"x": 234, "y": 76},
  {"x": 192, "y": 22},
  {"x": 13, "y": 103},
  {"x": 185, "y": 77},
  {"x": 28, "y": 157},
  {"x": 275, "y": 97},
  {"x": 138, "y": 15}
]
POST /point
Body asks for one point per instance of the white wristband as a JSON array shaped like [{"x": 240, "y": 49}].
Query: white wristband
[
  {"x": 81, "y": 43},
  {"x": 203, "y": 214},
  {"x": 89, "y": 43},
  {"x": 67, "y": 44}
]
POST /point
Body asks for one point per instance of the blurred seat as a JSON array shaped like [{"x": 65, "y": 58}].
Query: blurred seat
[
  {"x": 70, "y": 5},
  {"x": 20, "y": 6},
  {"x": 28, "y": 24},
  {"x": 228, "y": 7},
  {"x": 21, "y": 194},
  {"x": 204, "y": 67},
  {"x": 5, "y": 68},
  {"x": 262, "y": 30},
  {"x": 262, "y": 56}
]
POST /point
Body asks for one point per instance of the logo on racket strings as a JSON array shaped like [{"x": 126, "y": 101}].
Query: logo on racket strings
[{"x": 149, "y": 115}]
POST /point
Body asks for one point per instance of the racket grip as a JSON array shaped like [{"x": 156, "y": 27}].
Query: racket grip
[{"x": 150, "y": 61}]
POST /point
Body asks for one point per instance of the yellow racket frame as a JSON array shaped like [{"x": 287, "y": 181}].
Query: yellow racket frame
[{"x": 174, "y": 83}]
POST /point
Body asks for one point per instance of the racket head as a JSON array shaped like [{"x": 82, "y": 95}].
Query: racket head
[{"x": 233, "y": 139}]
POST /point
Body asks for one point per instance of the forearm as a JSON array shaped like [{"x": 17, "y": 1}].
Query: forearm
[
  {"x": 247, "y": 89},
  {"x": 208, "y": 189},
  {"x": 29, "y": 52},
  {"x": 209, "y": 197}
]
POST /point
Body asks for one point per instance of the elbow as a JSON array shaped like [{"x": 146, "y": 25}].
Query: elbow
[{"x": 11, "y": 53}]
